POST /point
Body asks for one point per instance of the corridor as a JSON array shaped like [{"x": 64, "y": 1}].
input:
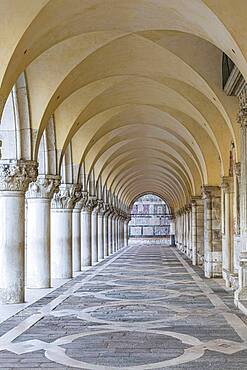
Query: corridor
[{"x": 145, "y": 307}]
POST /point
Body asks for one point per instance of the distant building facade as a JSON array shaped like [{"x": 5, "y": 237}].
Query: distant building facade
[{"x": 150, "y": 218}]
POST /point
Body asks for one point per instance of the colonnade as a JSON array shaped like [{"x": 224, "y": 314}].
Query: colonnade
[{"x": 66, "y": 229}]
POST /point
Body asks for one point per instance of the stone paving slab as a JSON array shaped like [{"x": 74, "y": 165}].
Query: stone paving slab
[{"x": 144, "y": 308}]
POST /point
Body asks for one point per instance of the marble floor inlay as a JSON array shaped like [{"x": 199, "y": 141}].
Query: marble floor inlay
[{"x": 145, "y": 307}]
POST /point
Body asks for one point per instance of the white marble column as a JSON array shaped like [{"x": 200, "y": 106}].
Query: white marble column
[
  {"x": 212, "y": 231},
  {"x": 241, "y": 293},
  {"x": 172, "y": 232},
  {"x": 61, "y": 230},
  {"x": 76, "y": 240},
  {"x": 15, "y": 176},
  {"x": 110, "y": 229},
  {"x": 38, "y": 274},
  {"x": 101, "y": 254},
  {"x": 94, "y": 232},
  {"x": 126, "y": 232},
  {"x": 227, "y": 228},
  {"x": 86, "y": 240},
  {"x": 106, "y": 230}
]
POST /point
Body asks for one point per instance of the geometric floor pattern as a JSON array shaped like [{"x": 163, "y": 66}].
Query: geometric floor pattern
[{"x": 144, "y": 308}]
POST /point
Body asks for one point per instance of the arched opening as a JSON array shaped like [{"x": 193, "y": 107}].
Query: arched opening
[{"x": 150, "y": 220}]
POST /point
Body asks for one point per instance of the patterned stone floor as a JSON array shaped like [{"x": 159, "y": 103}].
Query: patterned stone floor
[{"x": 143, "y": 308}]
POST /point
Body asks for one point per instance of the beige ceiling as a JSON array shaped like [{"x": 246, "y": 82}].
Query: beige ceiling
[{"x": 134, "y": 86}]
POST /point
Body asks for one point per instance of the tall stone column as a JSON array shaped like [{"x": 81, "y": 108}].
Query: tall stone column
[
  {"x": 39, "y": 195},
  {"x": 76, "y": 232},
  {"x": 100, "y": 232},
  {"x": 212, "y": 231},
  {"x": 86, "y": 240},
  {"x": 110, "y": 230},
  {"x": 15, "y": 176},
  {"x": 61, "y": 230},
  {"x": 106, "y": 232},
  {"x": 94, "y": 230},
  {"x": 126, "y": 232},
  {"x": 113, "y": 232},
  {"x": 227, "y": 228},
  {"x": 197, "y": 228},
  {"x": 241, "y": 293}
]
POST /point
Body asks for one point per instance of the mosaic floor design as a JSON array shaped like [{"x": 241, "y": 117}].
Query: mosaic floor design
[{"x": 143, "y": 308}]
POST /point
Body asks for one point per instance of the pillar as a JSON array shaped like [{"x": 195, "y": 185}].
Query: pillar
[
  {"x": 15, "y": 176},
  {"x": 76, "y": 239},
  {"x": 86, "y": 248},
  {"x": 106, "y": 228},
  {"x": 110, "y": 229},
  {"x": 126, "y": 232},
  {"x": 212, "y": 231},
  {"x": 61, "y": 230},
  {"x": 241, "y": 293},
  {"x": 227, "y": 228},
  {"x": 39, "y": 195},
  {"x": 101, "y": 254},
  {"x": 94, "y": 232}
]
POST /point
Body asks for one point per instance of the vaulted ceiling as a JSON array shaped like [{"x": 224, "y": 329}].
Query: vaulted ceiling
[{"x": 134, "y": 86}]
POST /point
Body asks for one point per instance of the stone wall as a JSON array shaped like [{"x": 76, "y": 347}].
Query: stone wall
[{"x": 150, "y": 218}]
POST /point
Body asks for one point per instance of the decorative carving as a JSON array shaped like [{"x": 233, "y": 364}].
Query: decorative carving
[
  {"x": 15, "y": 175},
  {"x": 67, "y": 196},
  {"x": 89, "y": 204},
  {"x": 44, "y": 187},
  {"x": 237, "y": 169},
  {"x": 80, "y": 204},
  {"x": 242, "y": 115}
]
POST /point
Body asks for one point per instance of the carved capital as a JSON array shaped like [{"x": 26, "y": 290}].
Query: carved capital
[
  {"x": 81, "y": 203},
  {"x": 44, "y": 187},
  {"x": 237, "y": 169},
  {"x": 67, "y": 196},
  {"x": 208, "y": 192},
  {"x": 15, "y": 175},
  {"x": 242, "y": 115},
  {"x": 227, "y": 184}
]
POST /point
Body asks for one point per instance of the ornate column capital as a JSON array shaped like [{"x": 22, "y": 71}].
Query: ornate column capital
[
  {"x": 67, "y": 196},
  {"x": 242, "y": 115},
  {"x": 15, "y": 175},
  {"x": 237, "y": 169},
  {"x": 210, "y": 191},
  {"x": 81, "y": 203},
  {"x": 44, "y": 187},
  {"x": 227, "y": 184}
]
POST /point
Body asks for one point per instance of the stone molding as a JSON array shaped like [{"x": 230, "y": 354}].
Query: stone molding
[
  {"x": 44, "y": 187},
  {"x": 15, "y": 175},
  {"x": 66, "y": 197}
]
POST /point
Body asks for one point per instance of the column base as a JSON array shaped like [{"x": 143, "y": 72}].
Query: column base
[{"x": 213, "y": 265}]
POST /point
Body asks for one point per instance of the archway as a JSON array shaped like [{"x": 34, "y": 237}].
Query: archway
[{"x": 151, "y": 220}]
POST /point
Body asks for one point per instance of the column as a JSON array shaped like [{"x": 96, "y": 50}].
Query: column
[
  {"x": 196, "y": 228},
  {"x": 94, "y": 231},
  {"x": 39, "y": 195},
  {"x": 227, "y": 228},
  {"x": 212, "y": 231},
  {"x": 61, "y": 230},
  {"x": 126, "y": 232},
  {"x": 77, "y": 233},
  {"x": 113, "y": 232},
  {"x": 15, "y": 176},
  {"x": 101, "y": 232},
  {"x": 110, "y": 236},
  {"x": 241, "y": 293},
  {"x": 86, "y": 245},
  {"x": 106, "y": 228}
]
